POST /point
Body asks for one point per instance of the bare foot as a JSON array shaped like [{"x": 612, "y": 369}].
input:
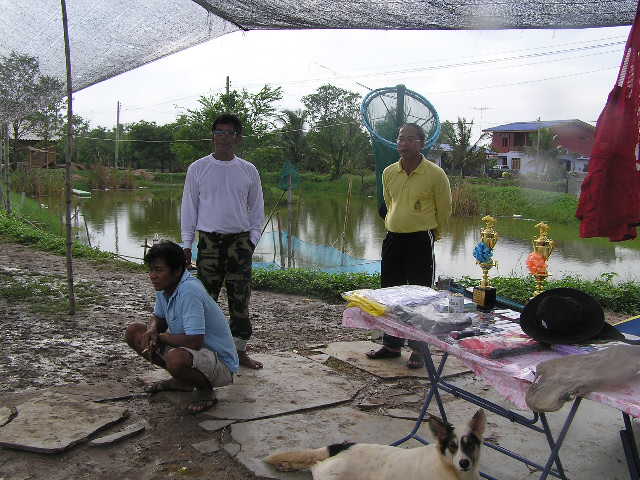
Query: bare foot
[{"x": 248, "y": 362}]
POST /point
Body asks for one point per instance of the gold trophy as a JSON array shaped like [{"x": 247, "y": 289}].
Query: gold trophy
[
  {"x": 543, "y": 246},
  {"x": 484, "y": 296}
]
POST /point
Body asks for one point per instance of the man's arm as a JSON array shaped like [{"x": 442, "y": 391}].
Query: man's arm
[
  {"x": 442, "y": 198},
  {"x": 255, "y": 203},
  {"x": 189, "y": 211}
]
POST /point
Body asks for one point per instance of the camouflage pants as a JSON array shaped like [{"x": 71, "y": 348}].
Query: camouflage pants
[{"x": 227, "y": 258}]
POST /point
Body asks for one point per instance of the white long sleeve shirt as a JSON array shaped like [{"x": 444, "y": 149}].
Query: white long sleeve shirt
[{"x": 223, "y": 197}]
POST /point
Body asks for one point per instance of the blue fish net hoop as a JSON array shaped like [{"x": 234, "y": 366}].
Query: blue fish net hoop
[{"x": 379, "y": 112}]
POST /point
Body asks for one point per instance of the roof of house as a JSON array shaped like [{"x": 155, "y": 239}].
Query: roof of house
[{"x": 535, "y": 125}]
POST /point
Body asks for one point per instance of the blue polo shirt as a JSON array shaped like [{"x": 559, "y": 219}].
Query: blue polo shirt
[{"x": 191, "y": 311}]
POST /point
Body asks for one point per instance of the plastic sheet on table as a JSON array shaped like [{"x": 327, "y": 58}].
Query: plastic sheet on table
[{"x": 382, "y": 300}]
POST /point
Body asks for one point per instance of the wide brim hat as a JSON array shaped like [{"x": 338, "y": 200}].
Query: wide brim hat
[{"x": 588, "y": 325}]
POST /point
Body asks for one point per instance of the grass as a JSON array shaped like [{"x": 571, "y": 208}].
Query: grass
[
  {"x": 481, "y": 199},
  {"x": 46, "y": 293},
  {"x": 621, "y": 297},
  {"x": 312, "y": 283},
  {"x": 20, "y": 230}
]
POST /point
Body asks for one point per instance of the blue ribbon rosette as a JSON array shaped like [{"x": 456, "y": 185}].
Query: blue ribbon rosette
[{"x": 482, "y": 253}]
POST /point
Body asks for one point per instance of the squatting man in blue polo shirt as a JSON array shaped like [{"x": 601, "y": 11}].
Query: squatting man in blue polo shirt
[{"x": 188, "y": 335}]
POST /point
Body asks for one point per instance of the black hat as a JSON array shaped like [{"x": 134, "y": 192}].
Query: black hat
[{"x": 566, "y": 316}]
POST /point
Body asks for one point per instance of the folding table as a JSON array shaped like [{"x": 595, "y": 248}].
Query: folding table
[{"x": 510, "y": 376}]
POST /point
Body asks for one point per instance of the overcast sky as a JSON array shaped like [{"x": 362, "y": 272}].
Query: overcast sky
[{"x": 492, "y": 77}]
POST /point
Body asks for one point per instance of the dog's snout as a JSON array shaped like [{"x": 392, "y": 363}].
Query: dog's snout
[{"x": 464, "y": 463}]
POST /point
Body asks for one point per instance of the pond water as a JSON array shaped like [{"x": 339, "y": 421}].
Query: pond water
[{"x": 120, "y": 221}]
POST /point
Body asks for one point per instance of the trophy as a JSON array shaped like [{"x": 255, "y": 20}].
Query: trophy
[
  {"x": 537, "y": 260},
  {"x": 484, "y": 296}
]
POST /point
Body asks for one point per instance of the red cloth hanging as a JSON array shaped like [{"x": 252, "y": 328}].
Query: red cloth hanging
[{"x": 610, "y": 198}]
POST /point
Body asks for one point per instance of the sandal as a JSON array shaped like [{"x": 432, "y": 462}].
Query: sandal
[
  {"x": 204, "y": 401},
  {"x": 415, "y": 361},
  {"x": 169, "y": 385},
  {"x": 382, "y": 353}
]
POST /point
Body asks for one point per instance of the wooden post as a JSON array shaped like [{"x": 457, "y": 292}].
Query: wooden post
[
  {"x": 282, "y": 262},
  {"x": 117, "y": 134},
  {"x": 67, "y": 170}
]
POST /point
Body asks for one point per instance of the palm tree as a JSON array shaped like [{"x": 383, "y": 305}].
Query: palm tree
[
  {"x": 464, "y": 155},
  {"x": 293, "y": 136}
]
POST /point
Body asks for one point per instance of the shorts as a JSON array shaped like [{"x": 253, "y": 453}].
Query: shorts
[{"x": 206, "y": 362}]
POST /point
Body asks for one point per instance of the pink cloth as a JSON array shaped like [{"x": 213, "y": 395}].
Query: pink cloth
[{"x": 510, "y": 376}]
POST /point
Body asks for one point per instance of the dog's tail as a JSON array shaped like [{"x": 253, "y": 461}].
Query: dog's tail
[{"x": 304, "y": 459}]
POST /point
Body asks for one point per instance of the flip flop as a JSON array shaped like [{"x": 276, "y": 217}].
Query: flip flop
[
  {"x": 203, "y": 402},
  {"x": 169, "y": 385},
  {"x": 381, "y": 353}
]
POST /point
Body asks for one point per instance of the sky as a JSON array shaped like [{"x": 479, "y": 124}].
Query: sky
[{"x": 490, "y": 77}]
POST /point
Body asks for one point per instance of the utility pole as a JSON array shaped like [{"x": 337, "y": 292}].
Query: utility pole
[
  {"x": 228, "y": 84},
  {"x": 482, "y": 109},
  {"x": 117, "y": 133}
]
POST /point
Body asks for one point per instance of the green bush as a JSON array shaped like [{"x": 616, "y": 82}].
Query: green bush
[
  {"x": 621, "y": 297},
  {"x": 327, "y": 286}
]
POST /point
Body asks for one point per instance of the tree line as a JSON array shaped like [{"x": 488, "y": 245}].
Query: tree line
[{"x": 326, "y": 136}]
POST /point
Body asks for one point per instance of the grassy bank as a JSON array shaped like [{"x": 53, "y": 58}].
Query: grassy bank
[
  {"x": 312, "y": 283},
  {"x": 622, "y": 297},
  {"x": 22, "y": 230},
  {"x": 478, "y": 199}
]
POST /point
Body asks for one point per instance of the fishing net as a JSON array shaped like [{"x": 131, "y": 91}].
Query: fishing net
[
  {"x": 289, "y": 176},
  {"x": 111, "y": 37},
  {"x": 384, "y": 111}
]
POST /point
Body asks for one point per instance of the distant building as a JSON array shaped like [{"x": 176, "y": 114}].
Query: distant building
[
  {"x": 509, "y": 141},
  {"x": 440, "y": 154}
]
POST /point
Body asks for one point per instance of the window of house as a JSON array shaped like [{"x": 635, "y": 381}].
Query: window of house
[
  {"x": 520, "y": 139},
  {"x": 505, "y": 141},
  {"x": 515, "y": 164},
  {"x": 503, "y": 161}
]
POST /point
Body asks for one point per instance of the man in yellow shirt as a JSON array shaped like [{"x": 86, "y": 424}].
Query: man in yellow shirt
[{"x": 418, "y": 199}]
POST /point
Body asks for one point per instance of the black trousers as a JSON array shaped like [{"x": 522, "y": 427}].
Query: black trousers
[{"x": 407, "y": 258}]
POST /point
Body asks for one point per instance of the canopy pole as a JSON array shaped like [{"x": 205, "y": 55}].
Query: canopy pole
[{"x": 67, "y": 170}]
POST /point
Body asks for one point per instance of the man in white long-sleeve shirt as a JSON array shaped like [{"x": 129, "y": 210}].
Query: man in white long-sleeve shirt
[{"x": 223, "y": 201}]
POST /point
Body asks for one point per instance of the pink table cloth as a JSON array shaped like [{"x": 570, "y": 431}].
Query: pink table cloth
[{"x": 510, "y": 376}]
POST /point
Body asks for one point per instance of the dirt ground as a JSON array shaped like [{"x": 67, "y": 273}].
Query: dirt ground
[{"x": 40, "y": 350}]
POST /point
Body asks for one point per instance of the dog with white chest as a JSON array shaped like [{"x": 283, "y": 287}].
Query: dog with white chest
[{"x": 452, "y": 457}]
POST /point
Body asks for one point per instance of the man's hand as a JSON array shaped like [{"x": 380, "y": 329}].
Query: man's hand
[
  {"x": 150, "y": 341},
  {"x": 187, "y": 257}
]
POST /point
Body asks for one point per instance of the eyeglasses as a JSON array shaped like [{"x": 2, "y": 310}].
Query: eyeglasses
[{"x": 230, "y": 133}]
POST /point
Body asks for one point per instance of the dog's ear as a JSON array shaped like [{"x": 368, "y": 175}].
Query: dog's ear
[
  {"x": 477, "y": 423},
  {"x": 440, "y": 430}
]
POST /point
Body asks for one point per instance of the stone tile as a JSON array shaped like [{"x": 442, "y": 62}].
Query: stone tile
[
  {"x": 55, "y": 422},
  {"x": 7, "y": 414},
  {"x": 207, "y": 447},
  {"x": 287, "y": 383},
  {"x": 354, "y": 353},
  {"x": 128, "y": 432},
  {"x": 320, "y": 358},
  {"x": 99, "y": 392},
  {"x": 232, "y": 448},
  {"x": 261, "y": 438},
  {"x": 214, "y": 425}
]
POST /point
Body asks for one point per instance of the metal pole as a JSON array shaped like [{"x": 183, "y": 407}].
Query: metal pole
[
  {"x": 400, "y": 118},
  {"x": 117, "y": 134},
  {"x": 67, "y": 170}
]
